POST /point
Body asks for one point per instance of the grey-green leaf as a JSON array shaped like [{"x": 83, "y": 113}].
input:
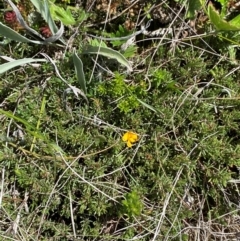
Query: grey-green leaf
[
  {"x": 79, "y": 72},
  {"x": 7, "y": 66},
  {"x": 13, "y": 35},
  {"x": 56, "y": 36},
  {"x": 22, "y": 21},
  {"x": 110, "y": 53},
  {"x": 43, "y": 8}
]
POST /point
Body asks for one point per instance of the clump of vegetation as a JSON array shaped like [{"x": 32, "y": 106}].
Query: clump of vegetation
[{"x": 119, "y": 138}]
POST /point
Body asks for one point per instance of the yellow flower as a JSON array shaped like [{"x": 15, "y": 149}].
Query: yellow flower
[{"x": 130, "y": 138}]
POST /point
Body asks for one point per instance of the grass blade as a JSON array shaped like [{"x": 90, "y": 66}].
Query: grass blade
[{"x": 149, "y": 106}]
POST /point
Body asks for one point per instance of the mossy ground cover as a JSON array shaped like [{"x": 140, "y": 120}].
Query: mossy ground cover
[{"x": 149, "y": 154}]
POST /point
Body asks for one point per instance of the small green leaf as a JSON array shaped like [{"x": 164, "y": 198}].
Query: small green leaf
[
  {"x": 96, "y": 42},
  {"x": 63, "y": 15},
  {"x": 130, "y": 51},
  {"x": 132, "y": 205}
]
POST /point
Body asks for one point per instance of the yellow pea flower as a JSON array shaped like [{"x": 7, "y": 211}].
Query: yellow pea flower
[{"x": 130, "y": 138}]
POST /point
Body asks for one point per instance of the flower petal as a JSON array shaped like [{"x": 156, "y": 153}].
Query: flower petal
[
  {"x": 129, "y": 144},
  {"x": 133, "y": 137},
  {"x": 125, "y": 136}
]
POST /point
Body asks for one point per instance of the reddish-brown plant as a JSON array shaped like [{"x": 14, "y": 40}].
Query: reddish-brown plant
[
  {"x": 45, "y": 31},
  {"x": 10, "y": 17}
]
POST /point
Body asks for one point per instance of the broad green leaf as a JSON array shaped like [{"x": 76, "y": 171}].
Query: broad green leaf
[
  {"x": 7, "y": 66},
  {"x": 79, "y": 72},
  {"x": 235, "y": 21},
  {"x": 218, "y": 22},
  {"x": 110, "y": 53},
  {"x": 223, "y": 2}
]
